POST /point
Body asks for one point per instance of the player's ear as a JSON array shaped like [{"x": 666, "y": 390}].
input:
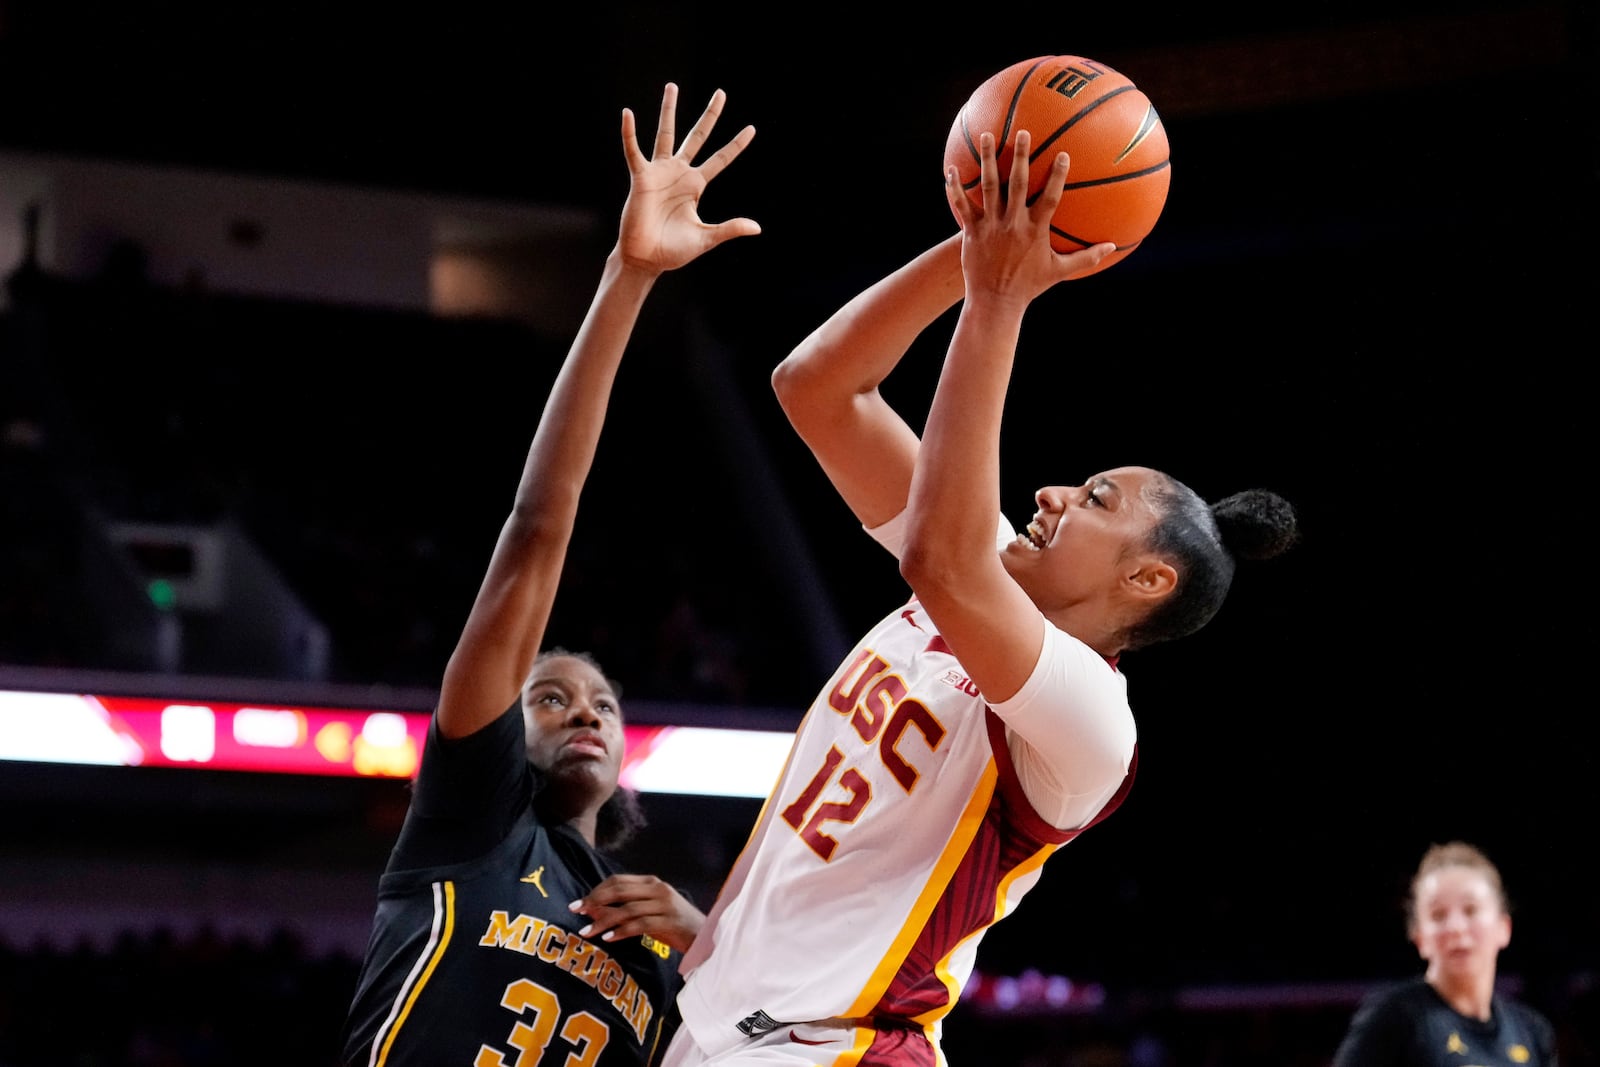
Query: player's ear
[{"x": 1151, "y": 579}]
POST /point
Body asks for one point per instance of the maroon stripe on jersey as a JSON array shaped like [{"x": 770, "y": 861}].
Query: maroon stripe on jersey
[
  {"x": 1011, "y": 833},
  {"x": 966, "y": 905},
  {"x": 1011, "y": 786},
  {"x": 898, "y": 1048}
]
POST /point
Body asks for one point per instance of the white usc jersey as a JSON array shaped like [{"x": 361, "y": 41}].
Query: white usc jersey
[{"x": 899, "y": 832}]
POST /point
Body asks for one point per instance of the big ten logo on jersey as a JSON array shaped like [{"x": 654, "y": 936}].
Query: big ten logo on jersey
[
  {"x": 875, "y": 701},
  {"x": 957, "y": 680}
]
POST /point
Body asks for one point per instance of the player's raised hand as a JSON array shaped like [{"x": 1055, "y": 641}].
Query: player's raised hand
[
  {"x": 1005, "y": 246},
  {"x": 661, "y": 227}
]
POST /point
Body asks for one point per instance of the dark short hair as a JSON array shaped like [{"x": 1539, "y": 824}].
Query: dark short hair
[
  {"x": 619, "y": 819},
  {"x": 555, "y": 651}
]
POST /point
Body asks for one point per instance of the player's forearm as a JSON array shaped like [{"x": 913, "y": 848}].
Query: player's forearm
[
  {"x": 568, "y": 434},
  {"x": 954, "y": 502},
  {"x": 506, "y": 624}
]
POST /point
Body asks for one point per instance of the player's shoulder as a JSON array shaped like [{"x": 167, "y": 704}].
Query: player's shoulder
[
  {"x": 1528, "y": 1015},
  {"x": 1406, "y": 996}
]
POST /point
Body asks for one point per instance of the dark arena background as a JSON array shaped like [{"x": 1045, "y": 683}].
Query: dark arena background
[{"x": 286, "y": 286}]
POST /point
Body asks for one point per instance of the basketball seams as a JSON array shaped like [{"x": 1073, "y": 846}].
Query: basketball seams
[
  {"x": 966, "y": 136},
  {"x": 1011, "y": 112},
  {"x": 1112, "y": 179},
  {"x": 1083, "y": 113},
  {"x": 1084, "y": 243},
  {"x": 1057, "y": 93},
  {"x": 1016, "y": 100}
]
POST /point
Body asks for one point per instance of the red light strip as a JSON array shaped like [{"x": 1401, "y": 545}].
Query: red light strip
[{"x": 367, "y": 743}]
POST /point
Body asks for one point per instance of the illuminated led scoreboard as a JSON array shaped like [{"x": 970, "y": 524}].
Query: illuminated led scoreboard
[{"x": 108, "y": 730}]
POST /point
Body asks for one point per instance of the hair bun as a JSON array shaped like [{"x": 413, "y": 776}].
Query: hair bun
[{"x": 1256, "y": 523}]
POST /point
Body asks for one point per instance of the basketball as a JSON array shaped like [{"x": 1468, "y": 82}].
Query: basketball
[{"x": 1117, "y": 181}]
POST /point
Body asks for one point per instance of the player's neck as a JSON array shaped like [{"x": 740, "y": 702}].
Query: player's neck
[
  {"x": 555, "y": 808},
  {"x": 1471, "y": 997}
]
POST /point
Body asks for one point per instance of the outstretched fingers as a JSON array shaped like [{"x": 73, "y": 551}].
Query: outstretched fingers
[
  {"x": 1021, "y": 170},
  {"x": 700, "y": 133},
  {"x": 1043, "y": 211},
  {"x": 1044, "y": 208},
  {"x": 666, "y": 122},
  {"x": 631, "y": 152},
  {"x": 693, "y": 141},
  {"x": 727, "y": 153},
  {"x": 661, "y": 228},
  {"x": 701, "y": 130},
  {"x": 989, "y": 173}
]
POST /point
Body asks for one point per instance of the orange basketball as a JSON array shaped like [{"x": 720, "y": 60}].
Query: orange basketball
[{"x": 1117, "y": 182}]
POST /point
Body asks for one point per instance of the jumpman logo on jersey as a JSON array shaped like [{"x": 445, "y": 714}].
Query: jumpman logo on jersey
[
  {"x": 1454, "y": 1044},
  {"x": 534, "y": 878}
]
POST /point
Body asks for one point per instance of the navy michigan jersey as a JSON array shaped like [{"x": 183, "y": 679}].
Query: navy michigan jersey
[
  {"x": 474, "y": 958},
  {"x": 1410, "y": 1025}
]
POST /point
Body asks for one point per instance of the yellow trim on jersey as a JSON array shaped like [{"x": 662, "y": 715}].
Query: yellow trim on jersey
[
  {"x": 859, "y": 1047},
  {"x": 942, "y": 968},
  {"x": 427, "y": 972},
  {"x": 960, "y": 840}
]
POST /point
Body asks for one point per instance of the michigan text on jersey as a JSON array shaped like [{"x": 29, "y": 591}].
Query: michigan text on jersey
[{"x": 579, "y": 957}]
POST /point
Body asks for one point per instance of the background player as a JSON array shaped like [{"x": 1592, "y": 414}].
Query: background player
[{"x": 1458, "y": 916}]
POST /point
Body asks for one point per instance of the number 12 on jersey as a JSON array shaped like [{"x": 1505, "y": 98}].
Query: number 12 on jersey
[{"x": 874, "y": 698}]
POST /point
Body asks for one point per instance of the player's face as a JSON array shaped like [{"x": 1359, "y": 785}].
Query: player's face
[
  {"x": 574, "y": 722},
  {"x": 1459, "y": 925},
  {"x": 1079, "y": 540}
]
